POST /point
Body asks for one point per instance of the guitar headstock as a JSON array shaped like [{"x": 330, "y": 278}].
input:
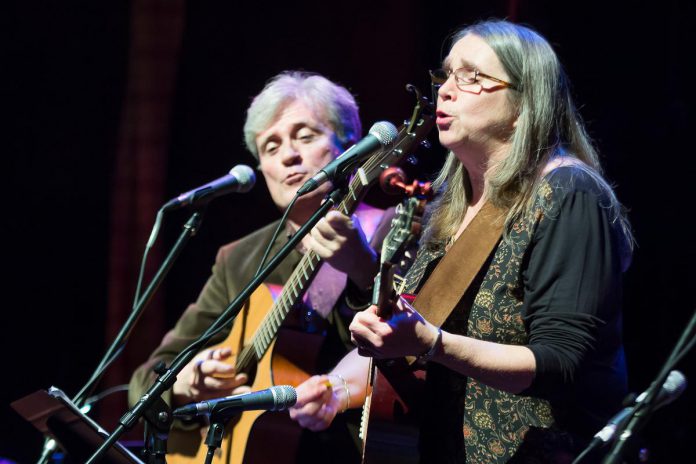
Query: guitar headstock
[
  {"x": 405, "y": 229},
  {"x": 411, "y": 135}
]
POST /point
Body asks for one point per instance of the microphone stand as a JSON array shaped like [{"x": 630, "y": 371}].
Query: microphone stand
[
  {"x": 642, "y": 411},
  {"x": 190, "y": 229},
  {"x": 167, "y": 376}
]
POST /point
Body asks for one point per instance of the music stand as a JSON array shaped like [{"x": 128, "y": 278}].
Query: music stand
[{"x": 52, "y": 413}]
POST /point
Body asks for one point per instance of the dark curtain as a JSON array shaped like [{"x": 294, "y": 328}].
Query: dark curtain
[{"x": 139, "y": 181}]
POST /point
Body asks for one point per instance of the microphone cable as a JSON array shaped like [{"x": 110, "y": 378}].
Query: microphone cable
[{"x": 282, "y": 222}]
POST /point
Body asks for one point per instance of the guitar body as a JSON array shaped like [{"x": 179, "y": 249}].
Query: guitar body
[{"x": 288, "y": 361}]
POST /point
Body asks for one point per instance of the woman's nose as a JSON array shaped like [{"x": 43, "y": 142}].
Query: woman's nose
[{"x": 448, "y": 89}]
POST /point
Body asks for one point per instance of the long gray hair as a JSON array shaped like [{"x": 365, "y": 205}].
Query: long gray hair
[
  {"x": 329, "y": 101},
  {"x": 548, "y": 125}
]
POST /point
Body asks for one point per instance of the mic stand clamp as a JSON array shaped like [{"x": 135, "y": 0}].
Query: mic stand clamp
[
  {"x": 158, "y": 421},
  {"x": 214, "y": 437}
]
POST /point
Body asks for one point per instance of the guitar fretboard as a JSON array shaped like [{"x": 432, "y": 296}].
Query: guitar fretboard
[{"x": 295, "y": 286}]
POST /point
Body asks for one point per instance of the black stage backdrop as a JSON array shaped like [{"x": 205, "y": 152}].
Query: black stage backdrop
[{"x": 75, "y": 71}]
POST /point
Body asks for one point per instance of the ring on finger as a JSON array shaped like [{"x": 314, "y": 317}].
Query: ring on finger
[{"x": 199, "y": 365}]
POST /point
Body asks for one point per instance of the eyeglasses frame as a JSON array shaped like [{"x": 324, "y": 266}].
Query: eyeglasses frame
[{"x": 438, "y": 81}]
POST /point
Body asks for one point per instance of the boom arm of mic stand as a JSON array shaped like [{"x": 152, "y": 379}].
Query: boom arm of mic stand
[
  {"x": 166, "y": 379},
  {"x": 643, "y": 411}
]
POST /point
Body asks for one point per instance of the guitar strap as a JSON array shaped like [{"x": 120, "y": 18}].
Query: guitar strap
[{"x": 454, "y": 273}]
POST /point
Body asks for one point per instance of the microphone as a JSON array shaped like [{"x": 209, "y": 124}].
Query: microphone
[
  {"x": 674, "y": 386},
  {"x": 240, "y": 179},
  {"x": 381, "y": 134},
  {"x": 275, "y": 398}
]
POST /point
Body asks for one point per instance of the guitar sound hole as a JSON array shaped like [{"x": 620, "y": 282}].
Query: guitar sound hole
[
  {"x": 305, "y": 319},
  {"x": 251, "y": 372}
]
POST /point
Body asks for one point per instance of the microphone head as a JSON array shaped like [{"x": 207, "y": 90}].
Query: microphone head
[
  {"x": 284, "y": 396},
  {"x": 384, "y": 131},
  {"x": 246, "y": 179},
  {"x": 674, "y": 386}
]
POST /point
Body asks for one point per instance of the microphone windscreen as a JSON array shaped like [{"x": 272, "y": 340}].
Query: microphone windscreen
[
  {"x": 385, "y": 132},
  {"x": 286, "y": 396},
  {"x": 674, "y": 386},
  {"x": 245, "y": 177}
]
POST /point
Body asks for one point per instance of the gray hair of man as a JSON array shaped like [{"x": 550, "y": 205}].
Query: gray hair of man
[
  {"x": 330, "y": 102},
  {"x": 548, "y": 125}
]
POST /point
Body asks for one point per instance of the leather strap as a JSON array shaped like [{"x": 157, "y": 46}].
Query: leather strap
[{"x": 454, "y": 273}]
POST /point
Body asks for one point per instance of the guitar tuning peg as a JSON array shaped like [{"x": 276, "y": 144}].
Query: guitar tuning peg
[
  {"x": 412, "y": 160},
  {"x": 425, "y": 144},
  {"x": 392, "y": 180}
]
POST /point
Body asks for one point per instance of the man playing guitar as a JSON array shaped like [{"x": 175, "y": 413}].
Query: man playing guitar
[{"x": 294, "y": 127}]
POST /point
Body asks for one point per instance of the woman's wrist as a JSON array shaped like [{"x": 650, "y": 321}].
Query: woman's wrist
[{"x": 434, "y": 347}]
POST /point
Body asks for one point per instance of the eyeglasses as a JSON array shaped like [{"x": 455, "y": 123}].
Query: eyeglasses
[{"x": 464, "y": 76}]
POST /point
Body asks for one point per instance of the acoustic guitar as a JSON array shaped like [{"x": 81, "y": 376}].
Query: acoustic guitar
[{"x": 272, "y": 355}]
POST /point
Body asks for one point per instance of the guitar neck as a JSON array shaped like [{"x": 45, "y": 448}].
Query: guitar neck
[{"x": 295, "y": 287}]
